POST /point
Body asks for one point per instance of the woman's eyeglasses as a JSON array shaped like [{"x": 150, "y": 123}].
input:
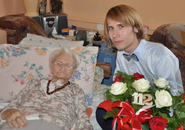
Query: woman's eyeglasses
[{"x": 66, "y": 66}]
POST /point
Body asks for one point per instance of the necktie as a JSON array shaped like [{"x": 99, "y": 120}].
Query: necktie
[{"x": 129, "y": 57}]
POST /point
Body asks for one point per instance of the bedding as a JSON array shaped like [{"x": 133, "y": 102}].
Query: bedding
[
  {"x": 98, "y": 97},
  {"x": 33, "y": 40},
  {"x": 20, "y": 63}
]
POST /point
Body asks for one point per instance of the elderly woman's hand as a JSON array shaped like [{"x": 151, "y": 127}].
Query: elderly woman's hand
[{"x": 14, "y": 118}]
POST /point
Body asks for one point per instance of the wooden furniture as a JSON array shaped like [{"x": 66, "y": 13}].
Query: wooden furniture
[
  {"x": 173, "y": 37},
  {"x": 17, "y": 27}
]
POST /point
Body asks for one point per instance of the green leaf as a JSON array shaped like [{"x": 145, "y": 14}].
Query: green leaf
[
  {"x": 145, "y": 126},
  {"x": 40, "y": 67},
  {"x": 111, "y": 113},
  {"x": 180, "y": 112},
  {"x": 112, "y": 97},
  {"x": 32, "y": 67},
  {"x": 136, "y": 107},
  {"x": 26, "y": 64},
  {"x": 175, "y": 102},
  {"x": 178, "y": 104}
]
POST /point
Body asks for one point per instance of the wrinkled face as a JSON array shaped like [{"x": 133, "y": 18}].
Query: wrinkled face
[
  {"x": 62, "y": 68},
  {"x": 123, "y": 37}
]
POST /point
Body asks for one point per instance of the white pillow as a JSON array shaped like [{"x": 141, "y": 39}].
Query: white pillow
[{"x": 40, "y": 41}]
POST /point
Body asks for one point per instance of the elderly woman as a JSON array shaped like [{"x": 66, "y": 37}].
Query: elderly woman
[{"x": 59, "y": 102}]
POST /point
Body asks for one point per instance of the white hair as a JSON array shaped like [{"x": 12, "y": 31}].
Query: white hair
[{"x": 70, "y": 52}]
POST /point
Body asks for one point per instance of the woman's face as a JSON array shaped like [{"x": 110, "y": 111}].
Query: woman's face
[
  {"x": 123, "y": 37},
  {"x": 62, "y": 68}
]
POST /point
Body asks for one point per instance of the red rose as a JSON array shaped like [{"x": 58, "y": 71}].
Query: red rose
[
  {"x": 119, "y": 79},
  {"x": 158, "y": 123},
  {"x": 138, "y": 76}
]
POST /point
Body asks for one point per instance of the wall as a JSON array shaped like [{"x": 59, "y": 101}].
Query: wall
[{"x": 89, "y": 13}]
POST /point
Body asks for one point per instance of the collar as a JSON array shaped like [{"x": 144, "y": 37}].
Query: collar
[
  {"x": 52, "y": 86},
  {"x": 138, "y": 50}
]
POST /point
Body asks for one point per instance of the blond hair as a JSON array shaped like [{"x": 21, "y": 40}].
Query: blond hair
[{"x": 127, "y": 15}]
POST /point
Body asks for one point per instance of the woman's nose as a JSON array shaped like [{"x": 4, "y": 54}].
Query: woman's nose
[{"x": 62, "y": 67}]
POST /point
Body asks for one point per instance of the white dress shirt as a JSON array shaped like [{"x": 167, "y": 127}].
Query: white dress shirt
[{"x": 155, "y": 60}]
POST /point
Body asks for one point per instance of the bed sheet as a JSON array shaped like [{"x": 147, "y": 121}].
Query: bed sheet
[{"x": 98, "y": 97}]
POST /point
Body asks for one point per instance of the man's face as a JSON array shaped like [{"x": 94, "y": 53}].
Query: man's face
[{"x": 123, "y": 37}]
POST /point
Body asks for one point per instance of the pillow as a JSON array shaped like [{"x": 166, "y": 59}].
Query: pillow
[
  {"x": 98, "y": 78},
  {"x": 99, "y": 75},
  {"x": 19, "y": 64},
  {"x": 40, "y": 41}
]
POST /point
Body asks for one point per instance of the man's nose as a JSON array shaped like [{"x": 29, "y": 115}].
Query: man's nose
[{"x": 115, "y": 33}]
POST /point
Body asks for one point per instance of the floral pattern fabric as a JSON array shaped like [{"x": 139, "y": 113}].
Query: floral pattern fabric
[
  {"x": 64, "y": 108},
  {"x": 33, "y": 40},
  {"x": 19, "y": 64},
  {"x": 97, "y": 79}
]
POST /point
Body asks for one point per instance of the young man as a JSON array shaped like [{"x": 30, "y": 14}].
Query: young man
[{"x": 124, "y": 27}]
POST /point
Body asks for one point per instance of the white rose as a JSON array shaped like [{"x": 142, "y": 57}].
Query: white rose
[
  {"x": 161, "y": 83},
  {"x": 163, "y": 99},
  {"x": 118, "y": 88},
  {"x": 141, "y": 85}
]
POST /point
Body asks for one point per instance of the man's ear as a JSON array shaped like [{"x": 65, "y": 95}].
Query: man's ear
[{"x": 135, "y": 30}]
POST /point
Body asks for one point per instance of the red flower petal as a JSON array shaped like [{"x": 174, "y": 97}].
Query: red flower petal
[
  {"x": 158, "y": 123},
  {"x": 180, "y": 128},
  {"x": 118, "y": 79},
  {"x": 138, "y": 76}
]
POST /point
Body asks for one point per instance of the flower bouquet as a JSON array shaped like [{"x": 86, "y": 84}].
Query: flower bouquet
[{"x": 135, "y": 105}]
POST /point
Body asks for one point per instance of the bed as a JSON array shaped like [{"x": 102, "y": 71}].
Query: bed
[{"x": 29, "y": 59}]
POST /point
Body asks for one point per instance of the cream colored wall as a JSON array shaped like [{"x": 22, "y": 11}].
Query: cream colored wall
[{"x": 88, "y": 13}]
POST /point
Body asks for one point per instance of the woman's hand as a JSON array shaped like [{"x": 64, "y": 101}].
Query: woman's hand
[{"x": 14, "y": 118}]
